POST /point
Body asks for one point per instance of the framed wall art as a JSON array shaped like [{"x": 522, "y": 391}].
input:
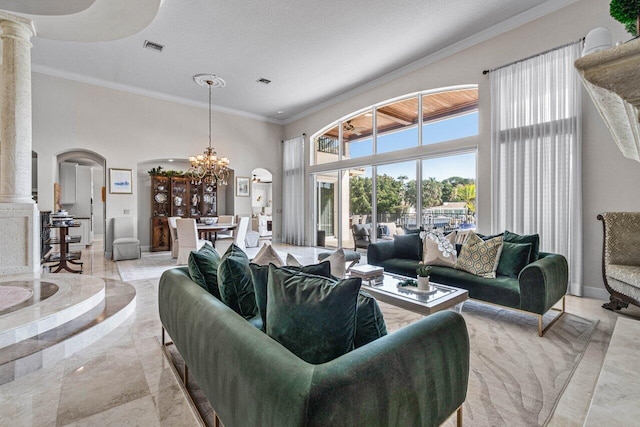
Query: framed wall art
[
  {"x": 120, "y": 181},
  {"x": 242, "y": 186}
]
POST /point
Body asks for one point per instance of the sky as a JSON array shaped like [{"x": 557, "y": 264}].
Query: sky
[{"x": 462, "y": 165}]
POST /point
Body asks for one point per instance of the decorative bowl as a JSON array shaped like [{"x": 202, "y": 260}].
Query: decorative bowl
[{"x": 209, "y": 221}]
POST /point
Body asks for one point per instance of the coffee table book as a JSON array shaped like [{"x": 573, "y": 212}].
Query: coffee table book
[{"x": 366, "y": 271}]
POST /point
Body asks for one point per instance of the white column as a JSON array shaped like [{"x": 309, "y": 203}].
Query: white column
[
  {"x": 19, "y": 217},
  {"x": 15, "y": 154}
]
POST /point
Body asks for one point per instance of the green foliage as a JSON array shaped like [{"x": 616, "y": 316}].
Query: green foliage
[
  {"x": 423, "y": 270},
  {"x": 360, "y": 195},
  {"x": 398, "y": 195},
  {"x": 160, "y": 171},
  {"x": 431, "y": 192},
  {"x": 626, "y": 12},
  {"x": 466, "y": 193},
  {"x": 389, "y": 192}
]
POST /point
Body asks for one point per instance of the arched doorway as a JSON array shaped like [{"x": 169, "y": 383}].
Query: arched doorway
[
  {"x": 82, "y": 175},
  {"x": 262, "y": 202}
]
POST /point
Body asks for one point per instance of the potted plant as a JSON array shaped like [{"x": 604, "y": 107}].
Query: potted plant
[
  {"x": 628, "y": 13},
  {"x": 423, "y": 272}
]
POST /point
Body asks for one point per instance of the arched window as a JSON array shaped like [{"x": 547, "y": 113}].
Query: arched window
[
  {"x": 384, "y": 168},
  {"x": 447, "y": 114}
]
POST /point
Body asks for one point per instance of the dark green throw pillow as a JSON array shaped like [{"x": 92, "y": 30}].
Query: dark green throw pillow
[
  {"x": 313, "y": 317},
  {"x": 369, "y": 322},
  {"x": 534, "y": 239},
  {"x": 260, "y": 275},
  {"x": 203, "y": 269},
  {"x": 407, "y": 246},
  {"x": 235, "y": 284},
  {"x": 514, "y": 257}
]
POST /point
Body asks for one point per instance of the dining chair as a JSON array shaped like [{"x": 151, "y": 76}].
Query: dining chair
[
  {"x": 125, "y": 243},
  {"x": 226, "y": 219},
  {"x": 174, "y": 235},
  {"x": 238, "y": 240},
  {"x": 187, "y": 239}
]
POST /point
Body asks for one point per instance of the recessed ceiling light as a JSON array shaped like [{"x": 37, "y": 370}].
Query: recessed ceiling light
[
  {"x": 157, "y": 47},
  {"x": 263, "y": 81},
  {"x": 280, "y": 112},
  {"x": 170, "y": 160}
]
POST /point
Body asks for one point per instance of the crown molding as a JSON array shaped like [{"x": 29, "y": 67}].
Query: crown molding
[
  {"x": 491, "y": 32},
  {"x": 54, "y": 72}
]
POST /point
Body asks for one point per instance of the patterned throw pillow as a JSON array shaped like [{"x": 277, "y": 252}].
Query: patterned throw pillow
[
  {"x": 439, "y": 249},
  {"x": 480, "y": 257}
]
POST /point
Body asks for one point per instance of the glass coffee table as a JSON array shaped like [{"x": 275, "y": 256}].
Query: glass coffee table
[{"x": 439, "y": 297}]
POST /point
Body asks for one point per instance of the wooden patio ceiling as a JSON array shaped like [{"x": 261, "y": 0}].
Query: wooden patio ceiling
[{"x": 404, "y": 114}]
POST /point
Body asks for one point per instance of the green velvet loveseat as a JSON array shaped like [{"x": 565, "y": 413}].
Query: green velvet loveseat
[
  {"x": 416, "y": 376},
  {"x": 538, "y": 287}
]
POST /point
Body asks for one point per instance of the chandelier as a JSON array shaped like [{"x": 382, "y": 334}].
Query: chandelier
[{"x": 207, "y": 166}]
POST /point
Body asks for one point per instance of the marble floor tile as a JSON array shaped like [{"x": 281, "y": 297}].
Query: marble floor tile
[
  {"x": 172, "y": 407},
  {"x": 137, "y": 413},
  {"x": 101, "y": 382}
]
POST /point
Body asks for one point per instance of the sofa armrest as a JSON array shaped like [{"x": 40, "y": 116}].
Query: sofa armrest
[
  {"x": 543, "y": 283},
  {"x": 416, "y": 376},
  {"x": 379, "y": 252}
]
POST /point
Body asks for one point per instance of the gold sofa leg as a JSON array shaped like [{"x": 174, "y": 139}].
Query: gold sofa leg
[
  {"x": 541, "y": 331},
  {"x": 459, "y": 417}
]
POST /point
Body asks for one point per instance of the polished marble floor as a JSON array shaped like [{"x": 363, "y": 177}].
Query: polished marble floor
[{"x": 124, "y": 379}]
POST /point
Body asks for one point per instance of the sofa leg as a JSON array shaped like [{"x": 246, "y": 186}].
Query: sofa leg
[
  {"x": 459, "y": 417},
  {"x": 216, "y": 420},
  {"x": 614, "y": 304},
  {"x": 542, "y": 330}
]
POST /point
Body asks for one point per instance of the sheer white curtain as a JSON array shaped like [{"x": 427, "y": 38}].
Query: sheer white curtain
[
  {"x": 293, "y": 191},
  {"x": 536, "y": 127}
]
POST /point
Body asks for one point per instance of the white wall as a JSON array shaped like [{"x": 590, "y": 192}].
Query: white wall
[
  {"x": 609, "y": 180},
  {"x": 128, "y": 129}
]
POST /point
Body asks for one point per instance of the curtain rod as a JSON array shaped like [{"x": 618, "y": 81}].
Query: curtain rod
[
  {"x": 535, "y": 55},
  {"x": 303, "y": 135}
]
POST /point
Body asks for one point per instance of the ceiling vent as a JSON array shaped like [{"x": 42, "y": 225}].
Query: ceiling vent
[
  {"x": 264, "y": 81},
  {"x": 153, "y": 46}
]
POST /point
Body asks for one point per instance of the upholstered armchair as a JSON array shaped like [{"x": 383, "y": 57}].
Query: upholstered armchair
[
  {"x": 361, "y": 235},
  {"x": 621, "y": 258},
  {"x": 125, "y": 244}
]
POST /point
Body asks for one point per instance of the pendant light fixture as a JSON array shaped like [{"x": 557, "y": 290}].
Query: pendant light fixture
[{"x": 208, "y": 166}]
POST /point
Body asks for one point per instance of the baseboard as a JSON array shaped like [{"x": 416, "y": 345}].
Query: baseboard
[
  {"x": 597, "y": 293},
  {"x": 145, "y": 248}
]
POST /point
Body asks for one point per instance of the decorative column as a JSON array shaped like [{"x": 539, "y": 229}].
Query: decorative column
[
  {"x": 15, "y": 140},
  {"x": 19, "y": 218}
]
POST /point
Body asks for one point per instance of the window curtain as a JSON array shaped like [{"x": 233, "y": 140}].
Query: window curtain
[
  {"x": 293, "y": 191},
  {"x": 536, "y": 116}
]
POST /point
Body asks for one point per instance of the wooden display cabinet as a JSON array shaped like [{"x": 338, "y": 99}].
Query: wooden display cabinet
[
  {"x": 203, "y": 199},
  {"x": 160, "y": 236},
  {"x": 178, "y": 196},
  {"x": 160, "y": 211}
]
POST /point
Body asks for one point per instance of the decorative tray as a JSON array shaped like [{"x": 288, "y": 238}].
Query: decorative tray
[{"x": 161, "y": 198}]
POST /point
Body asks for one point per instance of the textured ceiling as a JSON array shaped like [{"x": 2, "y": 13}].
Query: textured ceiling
[{"x": 312, "y": 51}]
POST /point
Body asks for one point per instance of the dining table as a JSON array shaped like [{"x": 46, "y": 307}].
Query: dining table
[{"x": 210, "y": 231}]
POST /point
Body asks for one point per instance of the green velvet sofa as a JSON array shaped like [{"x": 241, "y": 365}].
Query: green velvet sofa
[
  {"x": 416, "y": 376},
  {"x": 540, "y": 285}
]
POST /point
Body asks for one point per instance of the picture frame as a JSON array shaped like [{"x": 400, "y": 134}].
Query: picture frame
[
  {"x": 120, "y": 181},
  {"x": 242, "y": 186}
]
